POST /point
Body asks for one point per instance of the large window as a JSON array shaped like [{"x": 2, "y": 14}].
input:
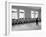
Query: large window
[
  {"x": 14, "y": 14},
  {"x": 21, "y": 13},
  {"x": 34, "y": 14}
]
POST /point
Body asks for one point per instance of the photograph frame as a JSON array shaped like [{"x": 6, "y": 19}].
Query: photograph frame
[{"x": 8, "y": 5}]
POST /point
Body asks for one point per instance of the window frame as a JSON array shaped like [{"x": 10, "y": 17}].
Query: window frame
[
  {"x": 15, "y": 11},
  {"x": 22, "y": 12},
  {"x": 34, "y": 13}
]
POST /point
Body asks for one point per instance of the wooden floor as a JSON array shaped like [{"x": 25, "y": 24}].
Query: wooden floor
[{"x": 29, "y": 26}]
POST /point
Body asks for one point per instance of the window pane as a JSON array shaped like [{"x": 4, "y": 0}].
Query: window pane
[
  {"x": 36, "y": 14},
  {"x": 14, "y": 9},
  {"x": 14, "y": 16},
  {"x": 32, "y": 14},
  {"x": 21, "y": 15},
  {"x": 21, "y": 10}
]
